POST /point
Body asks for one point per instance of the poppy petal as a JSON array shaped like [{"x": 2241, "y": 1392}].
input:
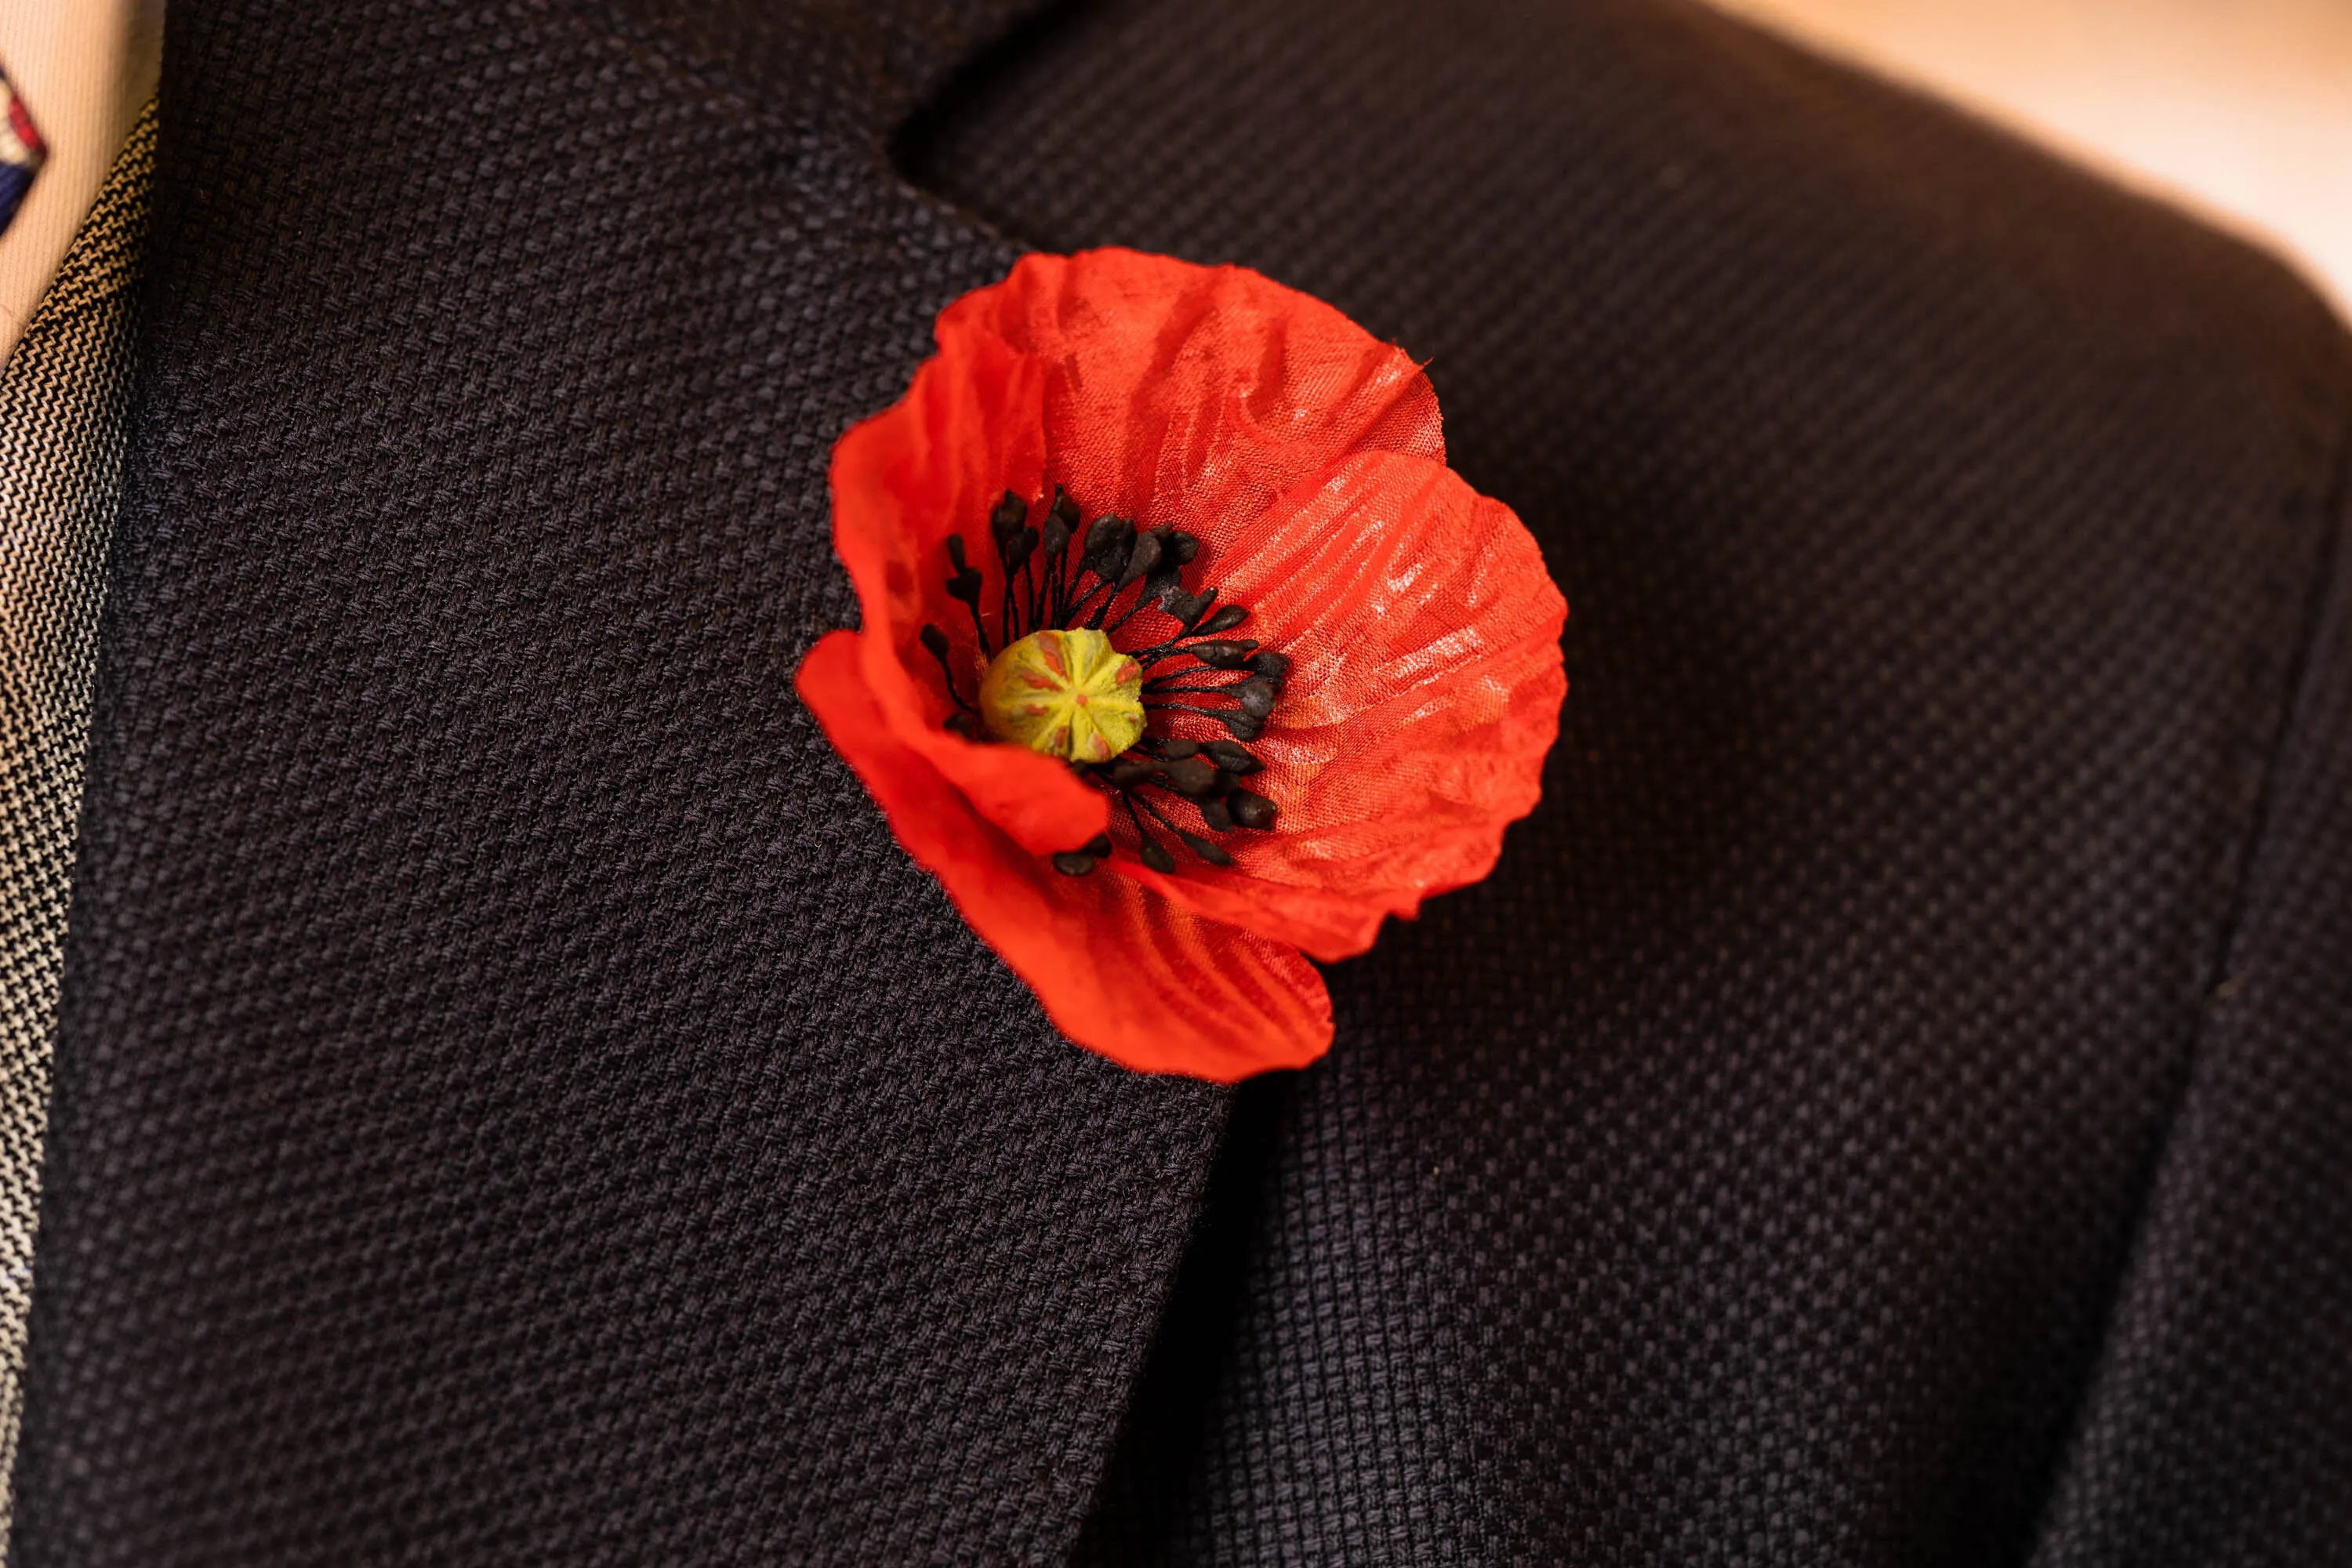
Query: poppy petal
[
  {"x": 902, "y": 482},
  {"x": 1177, "y": 393},
  {"x": 1119, "y": 970},
  {"x": 1424, "y": 690}
]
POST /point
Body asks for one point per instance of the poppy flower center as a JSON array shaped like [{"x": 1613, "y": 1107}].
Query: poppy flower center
[
  {"x": 1058, "y": 682},
  {"x": 1068, "y": 694}
]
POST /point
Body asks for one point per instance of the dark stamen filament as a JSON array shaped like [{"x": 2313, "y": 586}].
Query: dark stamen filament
[
  {"x": 936, "y": 641},
  {"x": 1058, "y": 575}
]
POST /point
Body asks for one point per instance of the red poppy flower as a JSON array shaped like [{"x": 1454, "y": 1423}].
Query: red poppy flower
[{"x": 1185, "y": 656}]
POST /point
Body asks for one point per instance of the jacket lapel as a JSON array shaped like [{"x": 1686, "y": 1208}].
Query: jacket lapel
[{"x": 513, "y": 1098}]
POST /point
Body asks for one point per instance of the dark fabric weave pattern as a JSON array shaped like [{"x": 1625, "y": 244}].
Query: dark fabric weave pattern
[{"x": 1751, "y": 1171}]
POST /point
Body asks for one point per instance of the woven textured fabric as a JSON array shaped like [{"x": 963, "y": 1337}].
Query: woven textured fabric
[
  {"x": 1839, "y": 1132},
  {"x": 64, "y": 395},
  {"x": 514, "y": 1101}
]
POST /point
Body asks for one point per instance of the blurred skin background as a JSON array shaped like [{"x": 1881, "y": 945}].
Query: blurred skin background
[{"x": 2238, "y": 109}]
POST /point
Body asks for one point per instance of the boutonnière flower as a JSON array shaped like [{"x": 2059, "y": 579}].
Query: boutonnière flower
[{"x": 1185, "y": 657}]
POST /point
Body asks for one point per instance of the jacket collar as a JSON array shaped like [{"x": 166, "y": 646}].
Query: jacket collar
[{"x": 510, "y": 1087}]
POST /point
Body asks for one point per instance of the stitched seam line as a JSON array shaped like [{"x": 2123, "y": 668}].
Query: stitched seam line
[
  {"x": 2326, "y": 496},
  {"x": 2333, "y": 505}
]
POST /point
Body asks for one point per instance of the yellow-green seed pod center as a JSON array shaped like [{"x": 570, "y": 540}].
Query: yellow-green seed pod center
[{"x": 1067, "y": 694}]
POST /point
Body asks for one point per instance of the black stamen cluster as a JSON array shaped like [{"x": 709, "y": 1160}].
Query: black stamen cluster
[{"x": 1049, "y": 585}]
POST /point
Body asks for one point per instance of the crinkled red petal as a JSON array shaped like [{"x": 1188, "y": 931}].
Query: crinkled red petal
[
  {"x": 1120, "y": 969},
  {"x": 902, "y": 482},
  {"x": 1184, "y": 395},
  {"x": 1424, "y": 693}
]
